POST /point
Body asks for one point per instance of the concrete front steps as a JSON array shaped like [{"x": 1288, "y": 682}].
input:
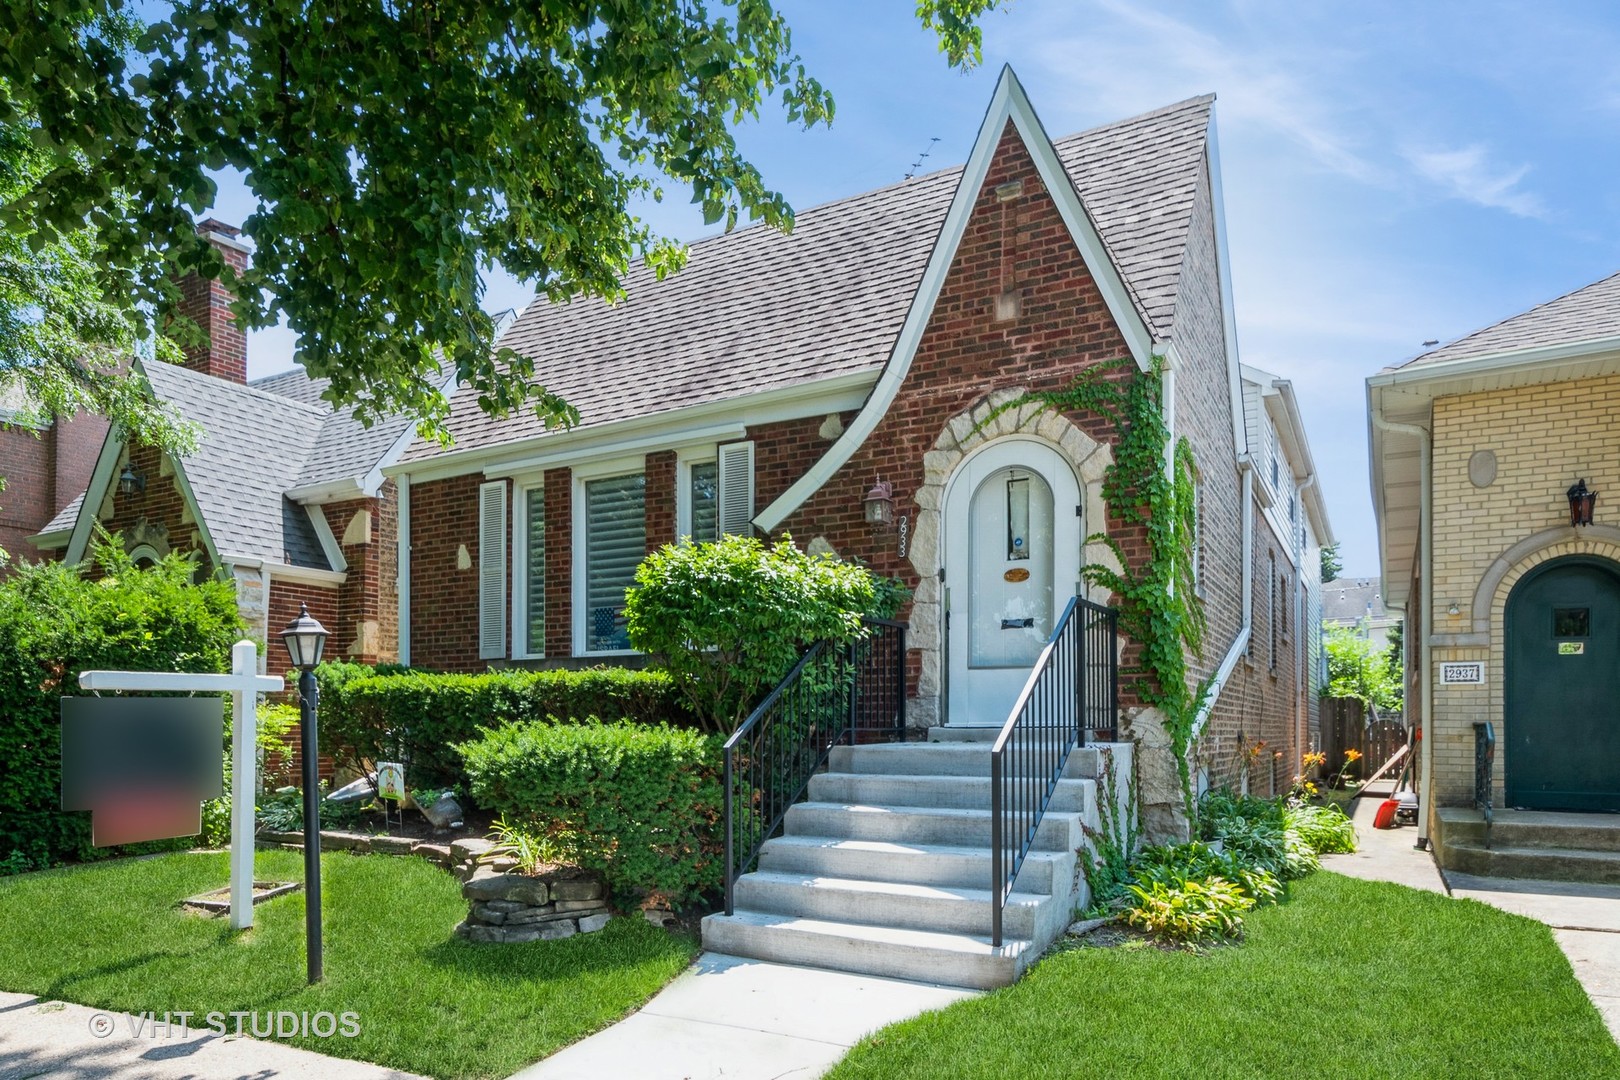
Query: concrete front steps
[
  {"x": 1534, "y": 844},
  {"x": 885, "y": 870}
]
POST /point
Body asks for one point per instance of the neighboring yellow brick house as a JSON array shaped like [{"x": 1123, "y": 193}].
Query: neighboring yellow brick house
[{"x": 1478, "y": 451}]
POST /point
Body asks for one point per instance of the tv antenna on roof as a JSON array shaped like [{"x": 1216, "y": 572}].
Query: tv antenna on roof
[{"x": 915, "y": 165}]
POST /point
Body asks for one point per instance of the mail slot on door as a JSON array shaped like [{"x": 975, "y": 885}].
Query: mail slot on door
[{"x": 1017, "y": 624}]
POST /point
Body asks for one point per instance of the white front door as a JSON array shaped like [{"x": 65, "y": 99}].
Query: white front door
[{"x": 1013, "y": 538}]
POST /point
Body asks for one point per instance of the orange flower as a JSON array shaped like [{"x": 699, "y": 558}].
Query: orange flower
[
  {"x": 1352, "y": 755},
  {"x": 1315, "y": 757}
]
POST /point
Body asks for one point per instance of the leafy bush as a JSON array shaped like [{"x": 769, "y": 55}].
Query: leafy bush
[
  {"x": 1195, "y": 861},
  {"x": 56, "y": 621},
  {"x": 1324, "y": 828},
  {"x": 641, "y": 804},
  {"x": 282, "y": 810},
  {"x": 414, "y": 717},
  {"x": 1191, "y": 910},
  {"x": 731, "y": 617}
]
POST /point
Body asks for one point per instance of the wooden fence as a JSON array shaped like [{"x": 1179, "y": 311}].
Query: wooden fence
[{"x": 1346, "y": 725}]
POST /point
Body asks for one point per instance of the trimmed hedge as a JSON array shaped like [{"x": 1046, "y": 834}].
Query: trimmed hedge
[
  {"x": 415, "y": 717},
  {"x": 641, "y": 804},
  {"x": 56, "y": 622}
]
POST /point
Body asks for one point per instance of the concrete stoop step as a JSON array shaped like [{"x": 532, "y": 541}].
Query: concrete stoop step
[
  {"x": 1532, "y": 844},
  {"x": 885, "y": 870}
]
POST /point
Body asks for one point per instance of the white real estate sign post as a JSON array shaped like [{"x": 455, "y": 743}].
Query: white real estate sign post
[{"x": 244, "y": 684}]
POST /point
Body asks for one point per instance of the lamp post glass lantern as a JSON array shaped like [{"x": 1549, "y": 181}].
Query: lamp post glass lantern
[
  {"x": 1581, "y": 502},
  {"x": 305, "y": 639}
]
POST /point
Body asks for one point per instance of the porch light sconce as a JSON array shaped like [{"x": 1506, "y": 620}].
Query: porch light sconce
[
  {"x": 130, "y": 481},
  {"x": 879, "y": 505},
  {"x": 1581, "y": 502}
]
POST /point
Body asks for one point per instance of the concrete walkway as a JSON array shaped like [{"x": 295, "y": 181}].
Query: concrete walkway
[
  {"x": 47, "y": 1040},
  {"x": 744, "y": 1020},
  {"x": 1585, "y": 919}
]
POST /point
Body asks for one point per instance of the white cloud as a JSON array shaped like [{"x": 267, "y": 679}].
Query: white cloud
[
  {"x": 1123, "y": 58},
  {"x": 1467, "y": 174}
]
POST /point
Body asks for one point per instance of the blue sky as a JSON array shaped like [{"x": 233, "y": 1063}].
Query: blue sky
[{"x": 1393, "y": 172}]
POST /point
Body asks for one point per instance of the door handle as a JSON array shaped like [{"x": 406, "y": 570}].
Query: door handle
[{"x": 1017, "y": 624}]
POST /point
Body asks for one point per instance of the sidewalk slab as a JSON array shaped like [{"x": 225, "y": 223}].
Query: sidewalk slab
[
  {"x": 50, "y": 1040},
  {"x": 745, "y": 1020}
]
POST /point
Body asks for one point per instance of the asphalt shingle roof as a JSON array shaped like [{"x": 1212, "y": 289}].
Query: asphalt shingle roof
[
  {"x": 346, "y": 447},
  {"x": 258, "y": 441},
  {"x": 1587, "y": 314},
  {"x": 254, "y": 447},
  {"x": 756, "y": 310}
]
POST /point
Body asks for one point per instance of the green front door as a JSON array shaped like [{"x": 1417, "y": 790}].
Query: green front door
[{"x": 1562, "y": 711}]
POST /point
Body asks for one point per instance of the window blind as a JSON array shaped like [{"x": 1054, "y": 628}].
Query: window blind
[{"x": 615, "y": 544}]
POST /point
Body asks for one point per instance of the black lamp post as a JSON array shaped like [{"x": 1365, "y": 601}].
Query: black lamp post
[{"x": 305, "y": 639}]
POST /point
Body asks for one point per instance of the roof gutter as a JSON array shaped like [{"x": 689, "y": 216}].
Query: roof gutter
[{"x": 307, "y": 575}]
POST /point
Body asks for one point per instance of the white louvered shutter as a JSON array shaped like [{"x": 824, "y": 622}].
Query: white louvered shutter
[
  {"x": 737, "y": 489},
  {"x": 492, "y": 571}
]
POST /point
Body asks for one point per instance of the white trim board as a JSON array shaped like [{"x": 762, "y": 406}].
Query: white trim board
[
  {"x": 1009, "y": 104},
  {"x": 663, "y": 431}
]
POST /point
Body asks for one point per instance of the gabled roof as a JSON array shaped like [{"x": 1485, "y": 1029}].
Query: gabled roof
[
  {"x": 1587, "y": 314},
  {"x": 756, "y": 310},
  {"x": 261, "y": 443}
]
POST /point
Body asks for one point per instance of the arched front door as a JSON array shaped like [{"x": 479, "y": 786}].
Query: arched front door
[
  {"x": 1562, "y": 689},
  {"x": 1012, "y": 560}
]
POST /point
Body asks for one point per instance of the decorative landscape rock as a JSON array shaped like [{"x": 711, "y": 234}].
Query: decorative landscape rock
[{"x": 509, "y": 908}]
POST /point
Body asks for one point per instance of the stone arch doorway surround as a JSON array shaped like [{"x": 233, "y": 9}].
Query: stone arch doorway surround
[{"x": 960, "y": 437}]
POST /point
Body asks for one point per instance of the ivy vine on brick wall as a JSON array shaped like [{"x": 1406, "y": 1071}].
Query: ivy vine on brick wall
[{"x": 1159, "y": 607}]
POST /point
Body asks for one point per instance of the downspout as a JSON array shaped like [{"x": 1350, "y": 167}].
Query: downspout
[
  {"x": 1302, "y": 631},
  {"x": 1425, "y": 576},
  {"x": 1240, "y": 644},
  {"x": 402, "y": 566}
]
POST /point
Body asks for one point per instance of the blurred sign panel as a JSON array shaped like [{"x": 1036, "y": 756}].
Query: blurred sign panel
[{"x": 142, "y": 766}]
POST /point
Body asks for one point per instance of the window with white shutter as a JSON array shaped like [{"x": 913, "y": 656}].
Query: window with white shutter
[
  {"x": 492, "y": 570},
  {"x": 736, "y": 480},
  {"x": 615, "y": 544}
]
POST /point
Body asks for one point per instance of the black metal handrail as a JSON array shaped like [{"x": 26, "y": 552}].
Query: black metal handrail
[
  {"x": 1073, "y": 693},
  {"x": 1484, "y": 759},
  {"x": 849, "y": 692}
]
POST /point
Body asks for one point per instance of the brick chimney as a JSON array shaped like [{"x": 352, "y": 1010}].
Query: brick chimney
[{"x": 208, "y": 304}]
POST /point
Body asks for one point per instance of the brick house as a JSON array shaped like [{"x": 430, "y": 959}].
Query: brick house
[
  {"x": 282, "y": 493},
  {"x": 774, "y": 381},
  {"x": 1478, "y": 448}
]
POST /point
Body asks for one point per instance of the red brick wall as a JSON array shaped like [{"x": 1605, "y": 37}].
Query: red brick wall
[
  {"x": 964, "y": 354},
  {"x": 43, "y": 472},
  {"x": 161, "y": 505},
  {"x": 366, "y": 631},
  {"x": 208, "y": 304},
  {"x": 559, "y": 562},
  {"x": 444, "y": 595},
  {"x": 661, "y": 482},
  {"x": 284, "y": 603}
]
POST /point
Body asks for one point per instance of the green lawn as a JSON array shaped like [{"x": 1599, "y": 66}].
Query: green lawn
[
  {"x": 1348, "y": 979},
  {"x": 109, "y": 935}
]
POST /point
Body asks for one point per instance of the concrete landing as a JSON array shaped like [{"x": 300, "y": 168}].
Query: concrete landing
[{"x": 745, "y": 1020}]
